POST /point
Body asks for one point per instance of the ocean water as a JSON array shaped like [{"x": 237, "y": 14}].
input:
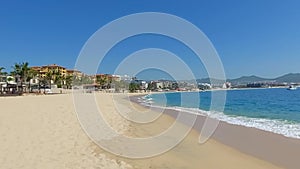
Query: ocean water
[{"x": 274, "y": 110}]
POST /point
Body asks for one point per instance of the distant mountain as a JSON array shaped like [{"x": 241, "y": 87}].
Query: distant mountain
[
  {"x": 288, "y": 78},
  {"x": 248, "y": 79},
  {"x": 210, "y": 81}
]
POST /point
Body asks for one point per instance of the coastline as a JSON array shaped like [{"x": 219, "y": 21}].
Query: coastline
[
  {"x": 287, "y": 127},
  {"x": 272, "y": 147},
  {"x": 44, "y": 132}
]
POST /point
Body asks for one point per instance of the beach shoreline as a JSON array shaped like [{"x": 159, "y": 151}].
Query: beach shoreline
[
  {"x": 275, "y": 148},
  {"x": 44, "y": 132}
]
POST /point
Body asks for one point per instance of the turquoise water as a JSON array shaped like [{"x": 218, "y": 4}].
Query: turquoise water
[{"x": 275, "y": 110}]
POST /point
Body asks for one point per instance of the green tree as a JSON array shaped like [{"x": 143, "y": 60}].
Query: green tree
[
  {"x": 133, "y": 87},
  {"x": 151, "y": 86},
  {"x": 21, "y": 70},
  {"x": 1, "y": 68},
  {"x": 49, "y": 77},
  {"x": 85, "y": 79},
  {"x": 43, "y": 81},
  {"x": 58, "y": 79},
  {"x": 1, "y": 73},
  {"x": 120, "y": 85},
  {"x": 102, "y": 81},
  {"x": 69, "y": 81},
  {"x": 31, "y": 75},
  {"x": 55, "y": 76}
]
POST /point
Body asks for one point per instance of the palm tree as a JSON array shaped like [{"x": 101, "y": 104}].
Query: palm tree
[
  {"x": 1, "y": 68},
  {"x": 102, "y": 81},
  {"x": 55, "y": 76},
  {"x": 69, "y": 81},
  {"x": 31, "y": 75},
  {"x": 85, "y": 80},
  {"x": 17, "y": 73},
  {"x": 133, "y": 87},
  {"x": 58, "y": 78},
  {"x": 25, "y": 71},
  {"x": 16, "y": 70},
  {"x": 42, "y": 82},
  {"x": 1, "y": 73},
  {"x": 21, "y": 70},
  {"x": 48, "y": 77}
]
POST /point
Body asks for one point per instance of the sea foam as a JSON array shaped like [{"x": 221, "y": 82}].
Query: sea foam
[{"x": 285, "y": 128}]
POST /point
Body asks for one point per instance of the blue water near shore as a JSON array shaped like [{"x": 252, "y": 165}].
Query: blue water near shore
[{"x": 274, "y": 110}]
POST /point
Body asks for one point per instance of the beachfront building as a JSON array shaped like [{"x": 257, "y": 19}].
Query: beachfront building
[
  {"x": 35, "y": 80},
  {"x": 54, "y": 68},
  {"x": 108, "y": 78},
  {"x": 204, "y": 86},
  {"x": 106, "y": 81},
  {"x": 8, "y": 85},
  {"x": 142, "y": 84},
  {"x": 44, "y": 71},
  {"x": 116, "y": 78},
  {"x": 125, "y": 78},
  {"x": 74, "y": 73},
  {"x": 36, "y": 68},
  {"x": 159, "y": 85},
  {"x": 2, "y": 82},
  {"x": 226, "y": 85},
  {"x": 167, "y": 84},
  {"x": 138, "y": 85}
]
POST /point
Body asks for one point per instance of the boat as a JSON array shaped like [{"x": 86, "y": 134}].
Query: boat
[{"x": 291, "y": 87}]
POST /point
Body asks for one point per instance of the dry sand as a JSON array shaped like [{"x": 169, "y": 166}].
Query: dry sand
[{"x": 43, "y": 132}]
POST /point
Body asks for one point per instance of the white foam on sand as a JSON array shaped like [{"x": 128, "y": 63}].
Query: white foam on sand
[{"x": 285, "y": 128}]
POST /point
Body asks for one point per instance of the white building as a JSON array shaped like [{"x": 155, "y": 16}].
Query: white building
[
  {"x": 144, "y": 85},
  {"x": 226, "y": 85}
]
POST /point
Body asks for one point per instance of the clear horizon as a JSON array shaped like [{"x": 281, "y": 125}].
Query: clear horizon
[{"x": 252, "y": 38}]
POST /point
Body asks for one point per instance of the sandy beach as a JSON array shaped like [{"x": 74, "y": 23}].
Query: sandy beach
[{"x": 44, "y": 132}]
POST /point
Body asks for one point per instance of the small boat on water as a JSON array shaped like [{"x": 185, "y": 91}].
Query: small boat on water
[{"x": 291, "y": 87}]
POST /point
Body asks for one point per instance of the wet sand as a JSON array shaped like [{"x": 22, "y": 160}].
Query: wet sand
[{"x": 274, "y": 148}]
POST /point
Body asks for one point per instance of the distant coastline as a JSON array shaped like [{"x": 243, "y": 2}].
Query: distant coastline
[{"x": 25, "y": 78}]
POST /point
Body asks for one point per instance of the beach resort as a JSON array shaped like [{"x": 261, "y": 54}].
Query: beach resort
[
  {"x": 126, "y": 84},
  {"x": 43, "y": 131}
]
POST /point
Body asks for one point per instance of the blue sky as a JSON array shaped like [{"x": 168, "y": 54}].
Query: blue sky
[{"x": 252, "y": 37}]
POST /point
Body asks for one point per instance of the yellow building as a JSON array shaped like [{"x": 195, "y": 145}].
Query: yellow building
[
  {"x": 43, "y": 70},
  {"x": 53, "y": 68},
  {"x": 36, "y": 68},
  {"x": 75, "y": 73}
]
